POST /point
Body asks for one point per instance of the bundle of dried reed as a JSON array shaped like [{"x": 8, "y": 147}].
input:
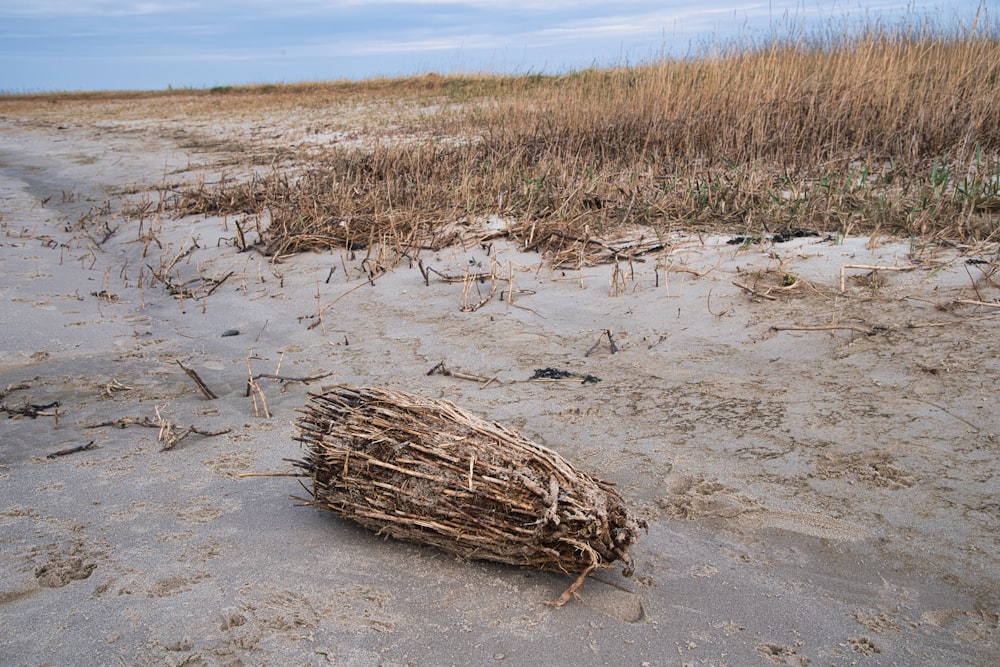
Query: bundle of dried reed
[{"x": 427, "y": 471}]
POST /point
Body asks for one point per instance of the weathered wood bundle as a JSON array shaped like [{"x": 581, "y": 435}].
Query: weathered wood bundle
[{"x": 426, "y": 471}]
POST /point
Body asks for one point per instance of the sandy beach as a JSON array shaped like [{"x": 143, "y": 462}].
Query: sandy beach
[{"x": 815, "y": 446}]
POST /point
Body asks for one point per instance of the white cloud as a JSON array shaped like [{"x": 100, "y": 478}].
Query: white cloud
[
  {"x": 573, "y": 31},
  {"x": 109, "y": 8},
  {"x": 113, "y": 8}
]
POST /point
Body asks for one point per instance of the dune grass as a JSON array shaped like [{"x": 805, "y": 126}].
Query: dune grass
[
  {"x": 893, "y": 132},
  {"x": 883, "y": 131}
]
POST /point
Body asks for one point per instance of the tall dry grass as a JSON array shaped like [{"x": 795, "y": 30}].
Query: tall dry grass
[{"x": 888, "y": 130}]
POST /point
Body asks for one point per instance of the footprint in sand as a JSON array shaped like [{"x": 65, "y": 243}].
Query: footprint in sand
[
  {"x": 613, "y": 600},
  {"x": 62, "y": 564},
  {"x": 230, "y": 464},
  {"x": 693, "y": 497}
]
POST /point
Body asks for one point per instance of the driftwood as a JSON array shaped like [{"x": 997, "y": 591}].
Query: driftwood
[
  {"x": 72, "y": 450},
  {"x": 427, "y": 471}
]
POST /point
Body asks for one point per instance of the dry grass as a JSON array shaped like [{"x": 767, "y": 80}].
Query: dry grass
[
  {"x": 887, "y": 131},
  {"x": 424, "y": 470}
]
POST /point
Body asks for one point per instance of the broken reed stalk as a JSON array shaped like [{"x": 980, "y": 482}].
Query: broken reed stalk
[
  {"x": 867, "y": 267},
  {"x": 254, "y": 392},
  {"x": 72, "y": 450},
  {"x": 424, "y": 470},
  {"x": 191, "y": 373}
]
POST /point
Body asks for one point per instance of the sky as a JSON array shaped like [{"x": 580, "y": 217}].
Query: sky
[{"x": 69, "y": 45}]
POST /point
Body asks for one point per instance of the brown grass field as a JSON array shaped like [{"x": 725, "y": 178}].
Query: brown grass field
[{"x": 886, "y": 132}]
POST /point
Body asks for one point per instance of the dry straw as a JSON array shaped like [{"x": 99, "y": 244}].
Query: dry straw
[
  {"x": 888, "y": 129},
  {"x": 427, "y": 471}
]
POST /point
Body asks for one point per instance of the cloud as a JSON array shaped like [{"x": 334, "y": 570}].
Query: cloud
[
  {"x": 484, "y": 35},
  {"x": 77, "y": 8},
  {"x": 118, "y": 8},
  {"x": 238, "y": 40}
]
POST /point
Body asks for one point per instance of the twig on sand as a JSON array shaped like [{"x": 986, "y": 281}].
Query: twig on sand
[
  {"x": 948, "y": 412},
  {"x": 473, "y": 280},
  {"x": 270, "y": 474},
  {"x": 217, "y": 282},
  {"x": 868, "y": 331},
  {"x": 285, "y": 378},
  {"x": 755, "y": 292},
  {"x": 169, "y": 437},
  {"x": 114, "y": 386},
  {"x": 198, "y": 381},
  {"x": 72, "y": 450},
  {"x": 611, "y": 342},
  {"x": 125, "y": 422},
  {"x": 708, "y": 305},
  {"x": 255, "y": 392},
  {"x": 867, "y": 267},
  {"x": 33, "y": 411},
  {"x": 444, "y": 370},
  {"x": 971, "y": 302},
  {"x": 323, "y": 309},
  {"x": 177, "y": 436}
]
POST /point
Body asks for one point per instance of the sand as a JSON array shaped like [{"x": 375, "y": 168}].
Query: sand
[{"x": 824, "y": 497}]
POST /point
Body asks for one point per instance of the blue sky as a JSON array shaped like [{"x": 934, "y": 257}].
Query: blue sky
[{"x": 55, "y": 45}]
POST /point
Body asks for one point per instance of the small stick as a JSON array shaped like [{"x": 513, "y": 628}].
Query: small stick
[
  {"x": 480, "y": 276},
  {"x": 286, "y": 378},
  {"x": 197, "y": 380},
  {"x": 468, "y": 376},
  {"x": 261, "y": 333},
  {"x": 970, "y": 302},
  {"x": 115, "y": 385},
  {"x": 72, "y": 450},
  {"x": 467, "y": 290},
  {"x": 867, "y": 267},
  {"x": 124, "y": 422},
  {"x": 510, "y": 283},
  {"x": 319, "y": 311},
  {"x": 173, "y": 439},
  {"x": 270, "y": 474},
  {"x": 708, "y": 304},
  {"x": 571, "y": 591},
  {"x": 166, "y": 429},
  {"x": 254, "y": 391},
  {"x": 241, "y": 239},
  {"x": 755, "y": 292},
  {"x": 209, "y": 434},
  {"x": 827, "y": 327},
  {"x": 444, "y": 370},
  {"x": 684, "y": 269},
  {"x": 329, "y": 305},
  {"x": 611, "y": 342},
  {"x": 949, "y": 413},
  {"x": 218, "y": 283}
]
